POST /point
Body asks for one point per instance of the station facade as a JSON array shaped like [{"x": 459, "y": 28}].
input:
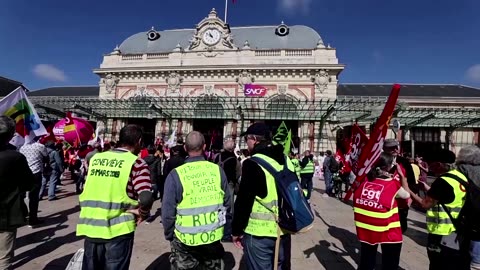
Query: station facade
[{"x": 194, "y": 79}]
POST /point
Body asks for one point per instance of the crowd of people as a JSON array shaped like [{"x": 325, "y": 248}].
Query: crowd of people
[{"x": 208, "y": 199}]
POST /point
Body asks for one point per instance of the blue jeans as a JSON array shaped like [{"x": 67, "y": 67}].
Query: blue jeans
[
  {"x": 111, "y": 255},
  {"x": 259, "y": 252},
  {"x": 307, "y": 183},
  {"x": 475, "y": 254},
  {"x": 327, "y": 176},
  {"x": 53, "y": 181}
]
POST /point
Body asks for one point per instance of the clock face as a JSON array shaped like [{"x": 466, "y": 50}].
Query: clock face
[{"x": 211, "y": 36}]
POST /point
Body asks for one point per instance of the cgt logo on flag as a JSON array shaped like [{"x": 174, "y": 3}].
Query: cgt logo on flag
[{"x": 252, "y": 90}]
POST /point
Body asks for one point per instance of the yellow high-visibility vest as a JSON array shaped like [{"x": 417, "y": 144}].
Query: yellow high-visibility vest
[
  {"x": 438, "y": 221},
  {"x": 104, "y": 200},
  {"x": 201, "y": 214}
]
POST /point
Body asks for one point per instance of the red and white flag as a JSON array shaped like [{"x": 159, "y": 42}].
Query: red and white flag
[
  {"x": 357, "y": 143},
  {"x": 374, "y": 146}
]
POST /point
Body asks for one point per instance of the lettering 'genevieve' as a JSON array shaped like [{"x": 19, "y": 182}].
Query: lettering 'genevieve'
[{"x": 113, "y": 163}]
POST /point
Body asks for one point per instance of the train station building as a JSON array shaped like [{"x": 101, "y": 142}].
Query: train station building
[{"x": 218, "y": 79}]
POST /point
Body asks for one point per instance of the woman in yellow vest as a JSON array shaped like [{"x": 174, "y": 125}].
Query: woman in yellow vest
[{"x": 445, "y": 194}]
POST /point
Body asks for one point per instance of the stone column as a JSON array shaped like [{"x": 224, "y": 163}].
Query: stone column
[
  {"x": 227, "y": 129},
  {"x": 303, "y": 133},
  {"x": 108, "y": 130},
  {"x": 316, "y": 136},
  {"x": 188, "y": 126}
]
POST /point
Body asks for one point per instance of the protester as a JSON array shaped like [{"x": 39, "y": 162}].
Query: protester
[
  {"x": 115, "y": 199},
  {"x": 15, "y": 179},
  {"x": 253, "y": 229},
  {"x": 468, "y": 163},
  {"x": 232, "y": 168},
  {"x": 37, "y": 158},
  {"x": 328, "y": 174},
  {"x": 55, "y": 168},
  {"x": 376, "y": 214},
  {"x": 194, "y": 209},
  {"x": 155, "y": 166},
  {"x": 306, "y": 173},
  {"x": 393, "y": 147},
  {"x": 445, "y": 194}
]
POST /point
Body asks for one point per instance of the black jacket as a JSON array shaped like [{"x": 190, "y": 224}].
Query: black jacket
[
  {"x": 155, "y": 165},
  {"x": 230, "y": 166},
  {"x": 412, "y": 183},
  {"x": 253, "y": 184},
  {"x": 15, "y": 179},
  {"x": 172, "y": 163}
]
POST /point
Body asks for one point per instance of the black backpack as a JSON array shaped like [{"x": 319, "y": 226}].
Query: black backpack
[
  {"x": 467, "y": 221},
  {"x": 334, "y": 166}
]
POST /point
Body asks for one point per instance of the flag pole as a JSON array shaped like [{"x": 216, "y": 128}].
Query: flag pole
[{"x": 226, "y": 10}]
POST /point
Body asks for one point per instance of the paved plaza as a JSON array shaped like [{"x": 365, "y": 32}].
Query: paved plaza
[{"x": 331, "y": 244}]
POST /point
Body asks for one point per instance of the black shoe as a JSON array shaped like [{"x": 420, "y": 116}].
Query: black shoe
[
  {"x": 35, "y": 222},
  {"x": 53, "y": 199}
]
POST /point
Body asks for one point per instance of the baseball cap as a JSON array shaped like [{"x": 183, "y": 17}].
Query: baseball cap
[
  {"x": 259, "y": 129},
  {"x": 443, "y": 156},
  {"x": 390, "y": 143}
]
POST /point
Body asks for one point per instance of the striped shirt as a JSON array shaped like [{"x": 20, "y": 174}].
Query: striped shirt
[{"x": 139, "y": 179}]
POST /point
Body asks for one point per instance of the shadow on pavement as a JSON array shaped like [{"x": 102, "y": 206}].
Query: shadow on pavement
[
  {"x": 417, "y": 236},
  {"x": 59, "y": 264},
  {"x": 163, "y": 262},
  {"x": 327, "y": 253},
  {"x": 319, "y": 190},
  {"x": 58, "y": 218},
  {"x": 44, "y": 248},
  {"x": 38, "y": 236}
]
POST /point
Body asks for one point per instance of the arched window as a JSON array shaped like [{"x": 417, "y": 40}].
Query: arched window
[
  {"x": 209, "y": 107},
  {"x": 281, "y": 108}
]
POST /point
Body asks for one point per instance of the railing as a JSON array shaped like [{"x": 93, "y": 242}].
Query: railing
[
  {"x": 261, "y": 53},
  {"x": 157, "y": 55},
  {"x": 268, "y": 53},
  {"x": 129, "y": 57},
  {"x": 298, "y": 53}
]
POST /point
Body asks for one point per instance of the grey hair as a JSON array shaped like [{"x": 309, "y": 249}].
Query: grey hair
[
  {"x": 7, "y": 128},
  {"x": 194, "y": 141},
  {"x": 469, "y": 155},
  {"x": 229, "y": 145}
]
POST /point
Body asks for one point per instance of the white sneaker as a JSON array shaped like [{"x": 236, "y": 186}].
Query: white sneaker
[{"x": 325, "y": 195}]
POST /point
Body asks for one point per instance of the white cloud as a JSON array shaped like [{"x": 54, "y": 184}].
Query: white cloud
[
  {"x": 473, "y": 73},
  {"x": 295, "y": 6},
  {"x": 49, "y": 72}
]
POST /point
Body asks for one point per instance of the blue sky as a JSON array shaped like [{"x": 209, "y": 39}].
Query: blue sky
[{"x": 57, "y": 42}]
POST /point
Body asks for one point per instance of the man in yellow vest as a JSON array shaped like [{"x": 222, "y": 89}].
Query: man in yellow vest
[
  {"x": 194, "y": 209},
  {"x": 117, "y": 196},
  {"x": 445, "y": 194},
  {"x": 254, "y": 228},
  {"x": 296, "y": 164},
  {"x": 306, "y": 173}
]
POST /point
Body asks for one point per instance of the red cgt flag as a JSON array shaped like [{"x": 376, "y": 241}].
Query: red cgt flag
[{"x": 374, "y": 146}]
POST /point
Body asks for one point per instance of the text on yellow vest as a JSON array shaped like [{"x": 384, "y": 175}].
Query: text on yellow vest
[
  {"x": 201, "y": 214},
  {"x": 104, "y": 199}
]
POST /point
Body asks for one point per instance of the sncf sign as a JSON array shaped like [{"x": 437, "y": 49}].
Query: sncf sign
[{"x": 252, "y": 90}]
